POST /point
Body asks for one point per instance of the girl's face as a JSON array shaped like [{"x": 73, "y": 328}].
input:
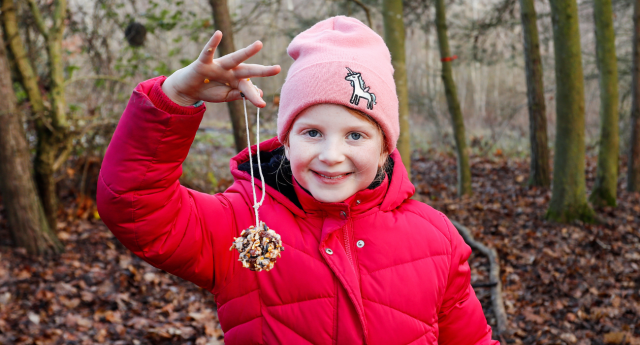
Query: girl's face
[{"x": 334, "y": 153}]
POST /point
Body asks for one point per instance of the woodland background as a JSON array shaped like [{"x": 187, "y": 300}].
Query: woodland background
[{"x": 560, "y": 269}]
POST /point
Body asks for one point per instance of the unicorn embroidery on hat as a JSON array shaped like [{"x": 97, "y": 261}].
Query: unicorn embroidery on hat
[{"x": 360, "y": 90}]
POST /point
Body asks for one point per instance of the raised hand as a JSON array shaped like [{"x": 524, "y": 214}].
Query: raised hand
[{"x": 218, "y": 80}]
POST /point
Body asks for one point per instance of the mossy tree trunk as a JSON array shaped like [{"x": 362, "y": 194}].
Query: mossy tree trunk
[
  {"x": 51, "y": 141},
  {"x": 51, "y": 123},
  {"x": 568, "y": 199},
  {"x": 633, "y": 180},
  {"x": 464, "y": 170},
  {"x": 27, "y": 222},
  {"x": 605, "y": 189},
  {"x": 394, "y": 36},
  {"x": 222, "y": 22},
  {"x": 540, "y": 174}
]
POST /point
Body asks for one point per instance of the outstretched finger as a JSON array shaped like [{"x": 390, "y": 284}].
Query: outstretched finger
[
  {"x": 206, "y": 55},
  {"x": 252, "y": 70},
  {"x": 232, "y": 60},
  {"x": 251, "y": 92},
  {"x": 235, "y": 95}
]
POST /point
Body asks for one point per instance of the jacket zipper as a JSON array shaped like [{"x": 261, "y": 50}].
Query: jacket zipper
[{"x": 347, "y": 245}]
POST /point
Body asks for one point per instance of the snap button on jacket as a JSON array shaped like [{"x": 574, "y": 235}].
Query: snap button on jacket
[{"x": 410, "y": 283}]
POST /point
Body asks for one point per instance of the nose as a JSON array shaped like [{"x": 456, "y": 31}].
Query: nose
[{"x": 332, "y": 152}]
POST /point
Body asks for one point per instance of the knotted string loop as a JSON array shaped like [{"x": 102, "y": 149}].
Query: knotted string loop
[{"x": 256, "y": 204}]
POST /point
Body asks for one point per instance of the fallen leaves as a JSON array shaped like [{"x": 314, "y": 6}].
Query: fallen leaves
[
  {"x": 98, "y": 292},
  {"x": 529, "y": 315},
  {"x": 619, "y": 338}
]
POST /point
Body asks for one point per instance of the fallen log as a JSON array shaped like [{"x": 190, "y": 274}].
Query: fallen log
[{"x": 494, "y": 276}]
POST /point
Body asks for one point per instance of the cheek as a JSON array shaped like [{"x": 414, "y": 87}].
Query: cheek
[
  {"x": 366, "y": 157},
  {"x": 299, "y": 156}
]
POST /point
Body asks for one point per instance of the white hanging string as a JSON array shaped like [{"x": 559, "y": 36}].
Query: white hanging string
[{"x": 256, "y": 204}]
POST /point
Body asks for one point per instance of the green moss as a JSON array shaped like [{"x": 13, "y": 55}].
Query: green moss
[
  {"x": 394, "y": 36},
  {"x": 605, "y": 188},
  {"x": 570, "y": 213},
  {"x": 457, "y": 121},
  {"x": 568, "y": 199}
]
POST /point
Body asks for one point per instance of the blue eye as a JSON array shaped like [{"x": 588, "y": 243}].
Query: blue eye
[
  {"x": 313, "y": 133},
  {"x": 355, "y": 136}
]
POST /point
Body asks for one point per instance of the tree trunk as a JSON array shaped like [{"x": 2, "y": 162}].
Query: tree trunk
[
  {"x": 28, "y": 77},
  {"x": 26, "y": 219},
  {"x": 54, "y": 136},
  {"x": 51, "y": 127},
  {"x": 394, "y": 33},
  {"x": 540, "y": 174},
  {"x": 568, "y": 199},
  {"x": 605, "y": 189},
  {"x": 222, "y": 22},
  {"x": 56, "y": 67},
  {"x": 464, "y": 170},
  {"x": 46, "y": 149},
  {"x": 633, "y": 183}
]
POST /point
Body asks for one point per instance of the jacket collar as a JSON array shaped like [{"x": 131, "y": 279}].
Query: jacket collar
[{"x": 388, "y": 196}]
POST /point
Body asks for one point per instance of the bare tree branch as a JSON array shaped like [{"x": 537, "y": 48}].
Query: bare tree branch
[
  {"x": 90, "y": 77},
  {"x": 366, "y": 11},
  {"x": 59, "y": 14},
  {"x": 37, "y": 16},
  {"x": 16, "y": 46},
  {"x": 251, "y": 17},
  {"x": 68, "y": 145},
  {"x": 494, "y": 274}
]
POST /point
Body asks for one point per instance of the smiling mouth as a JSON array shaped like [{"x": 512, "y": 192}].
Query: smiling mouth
[{"x": 337, "y": 177}]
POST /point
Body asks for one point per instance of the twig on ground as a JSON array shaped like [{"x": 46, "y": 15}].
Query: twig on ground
[
  {"x": 494, "y": 275},
  {"x": 483, "y": 285}
]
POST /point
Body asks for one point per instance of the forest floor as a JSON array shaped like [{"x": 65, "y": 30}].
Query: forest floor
[{"x": 562, "y": 284}]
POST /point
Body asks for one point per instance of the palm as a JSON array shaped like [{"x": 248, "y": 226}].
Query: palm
[{"x": 227, "y": 76}]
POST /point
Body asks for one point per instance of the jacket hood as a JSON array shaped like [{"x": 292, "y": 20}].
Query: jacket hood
[{"x": 393, "y": 191}]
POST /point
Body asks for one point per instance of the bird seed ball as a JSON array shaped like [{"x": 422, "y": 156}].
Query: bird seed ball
[{"x": 259, "y": 247}]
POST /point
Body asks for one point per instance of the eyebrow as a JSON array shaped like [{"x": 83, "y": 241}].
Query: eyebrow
[
  {"x": 305, "y": 124},
  {"x": 367, "y": 126}
]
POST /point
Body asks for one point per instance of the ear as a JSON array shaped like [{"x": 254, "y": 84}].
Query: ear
[
  {"x": 286, "y": 151},
  {"x": 383, "y": 159}
]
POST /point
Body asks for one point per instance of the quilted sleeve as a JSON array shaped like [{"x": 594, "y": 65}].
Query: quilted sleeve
[
  {"x": 461, "y": 320},
  {"x": 139, "y": 196}
]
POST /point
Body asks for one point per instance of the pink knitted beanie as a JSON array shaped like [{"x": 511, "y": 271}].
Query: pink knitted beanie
[{"x": 341, "y": 61}]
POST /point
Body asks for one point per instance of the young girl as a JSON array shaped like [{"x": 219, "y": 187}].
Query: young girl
[{"x": 363, "y": 263}]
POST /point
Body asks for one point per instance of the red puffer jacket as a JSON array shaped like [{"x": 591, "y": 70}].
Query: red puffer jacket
[{"x": 378, "y": 268}]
